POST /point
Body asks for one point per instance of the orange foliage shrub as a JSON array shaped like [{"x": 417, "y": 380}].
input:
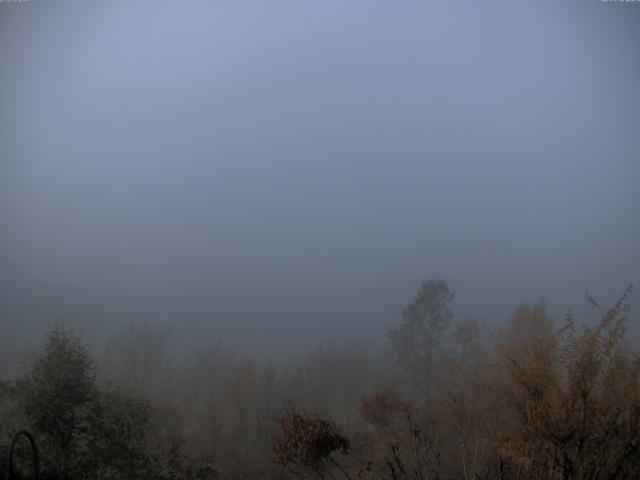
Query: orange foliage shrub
[{"x": 576, "y": 400}]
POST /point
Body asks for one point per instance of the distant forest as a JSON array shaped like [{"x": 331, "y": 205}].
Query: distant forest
[{"x": 449, "y": 399}]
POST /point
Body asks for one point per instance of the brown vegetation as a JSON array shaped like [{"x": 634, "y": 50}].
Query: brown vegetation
[{"x": 528, "y": 401}]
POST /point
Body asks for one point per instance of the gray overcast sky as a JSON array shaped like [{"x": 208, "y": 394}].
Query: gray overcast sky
[{"x": 271, "y": 173}]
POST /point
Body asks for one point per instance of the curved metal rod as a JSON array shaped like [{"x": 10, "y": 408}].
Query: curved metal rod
[{"x": 34, "y": 451}]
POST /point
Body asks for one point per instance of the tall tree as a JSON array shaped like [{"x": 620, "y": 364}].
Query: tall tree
[
  {"x": 56, "y": 394},
  {"x": 84, "y": 430},
  {"x": 420, "y": 335}
]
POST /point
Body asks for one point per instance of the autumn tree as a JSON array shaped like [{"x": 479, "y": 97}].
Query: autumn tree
[
  {"x": 576, "y": 398},
  {"x": 526, "y": 323}
]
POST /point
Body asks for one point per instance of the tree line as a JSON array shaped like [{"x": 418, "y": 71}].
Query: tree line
[{"x": 448, "y": 399}]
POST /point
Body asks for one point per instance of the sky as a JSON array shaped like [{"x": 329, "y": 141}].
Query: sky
[{"x": 271, "y": 175}]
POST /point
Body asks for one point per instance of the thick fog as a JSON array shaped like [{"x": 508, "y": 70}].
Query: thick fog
[{"x": 271, "y": 175}]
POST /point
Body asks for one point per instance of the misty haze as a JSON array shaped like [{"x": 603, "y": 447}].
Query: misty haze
[{"x": 319, "y": 239}]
